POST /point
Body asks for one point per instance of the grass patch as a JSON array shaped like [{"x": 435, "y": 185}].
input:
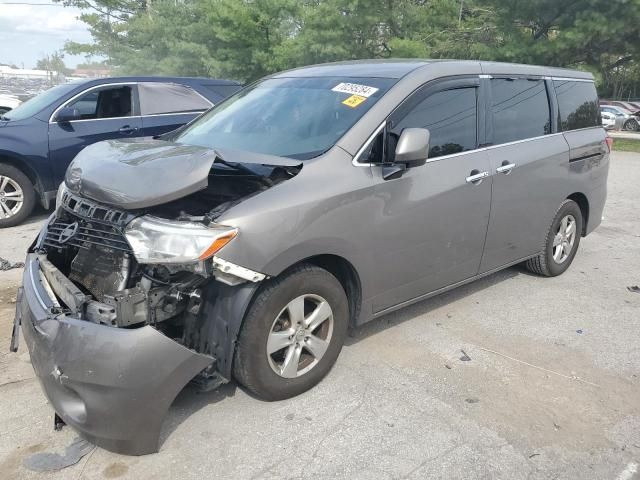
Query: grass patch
[{"x": 626, "y": 145}]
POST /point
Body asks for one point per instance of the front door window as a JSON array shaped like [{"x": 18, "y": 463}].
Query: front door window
[{"x": 112, "y": 102}]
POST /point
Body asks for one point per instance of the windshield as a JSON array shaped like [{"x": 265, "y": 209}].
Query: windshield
[
  {"x": 37, "y": 103},
  {"x": 289, "y": 117}
]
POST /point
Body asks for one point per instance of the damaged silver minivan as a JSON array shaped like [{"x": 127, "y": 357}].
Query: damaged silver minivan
[{"x": 245, "y": 245}]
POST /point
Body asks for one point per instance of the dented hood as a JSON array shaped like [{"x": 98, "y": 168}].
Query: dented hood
[{"x": 143, "y": 172}]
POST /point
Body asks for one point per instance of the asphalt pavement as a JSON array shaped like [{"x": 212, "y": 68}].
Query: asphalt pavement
[{"x": 512, "y": 377}]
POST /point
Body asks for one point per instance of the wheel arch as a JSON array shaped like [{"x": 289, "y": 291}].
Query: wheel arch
[
  {"x": 229, "y": 306},
  {"x": 21, "y": 164},
  {"x": 346, "y": 274},
  {"x": 583, "y": 202}
]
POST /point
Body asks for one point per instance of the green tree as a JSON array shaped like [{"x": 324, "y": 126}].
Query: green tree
[
  {"x": 597, "y": 35},
  {"x": 245, "y": 39},
  {"x": 53, "y": 63}
]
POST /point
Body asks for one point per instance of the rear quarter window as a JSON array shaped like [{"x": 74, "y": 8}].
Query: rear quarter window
[
  {"x": 578, "y": 104},
  {"x": 157, "y": 98}
]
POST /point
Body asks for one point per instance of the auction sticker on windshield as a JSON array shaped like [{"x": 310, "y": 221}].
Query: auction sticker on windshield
[
  {"x": 353, "y": 101},
  {"x": 355, "y": 89}
]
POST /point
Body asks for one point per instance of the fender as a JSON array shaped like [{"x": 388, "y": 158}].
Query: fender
[
  {"x": 15, "y": 160},
  {"x": 26, "y": 146},
  {"x": 215, "y": 330}
]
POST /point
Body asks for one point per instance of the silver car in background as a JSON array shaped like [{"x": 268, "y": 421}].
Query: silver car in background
[
  {"x": 625, "y": 119},
  {"x": 245, "y": 245},
  {"x": 610, "y": 121}
]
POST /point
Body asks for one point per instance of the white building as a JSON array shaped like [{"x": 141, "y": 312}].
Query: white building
[{"x": 8, "y": 72}]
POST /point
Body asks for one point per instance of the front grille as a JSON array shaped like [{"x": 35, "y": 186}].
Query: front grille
[
  {"x": 84, "y": 224},
  {"x": 62, "y": 233}
]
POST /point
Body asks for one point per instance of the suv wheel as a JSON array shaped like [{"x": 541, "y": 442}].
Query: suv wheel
[
  {"x": 17, "y": 196},
  {"x": 561, "y": 242},
  {"x": 292, "y": 333}
]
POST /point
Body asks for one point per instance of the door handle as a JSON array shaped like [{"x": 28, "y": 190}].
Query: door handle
[
  {"x": 127, "y": 129},
  {"x": 506, "y": 167},
  {"x": 476, "y": 177}
]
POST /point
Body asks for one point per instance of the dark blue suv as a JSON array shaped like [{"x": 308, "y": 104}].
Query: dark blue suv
[{"x": 39, "y": 138}]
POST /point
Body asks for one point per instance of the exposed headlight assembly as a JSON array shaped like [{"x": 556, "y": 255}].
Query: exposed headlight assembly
[{"x": 159, "y": 241}]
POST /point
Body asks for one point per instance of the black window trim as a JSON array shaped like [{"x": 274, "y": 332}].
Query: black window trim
[
  {"x": 551, "y": 100},
  {"x": 442, "y": 85},
  {"x": 134, "y": 102},
  {"x": 182, "y": 112},
  {"x": 557, "y": 113},
  {"x": 422, "y": 92}
]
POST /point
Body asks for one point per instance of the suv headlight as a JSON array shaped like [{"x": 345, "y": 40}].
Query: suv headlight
[{"x": 156, "y": 240}]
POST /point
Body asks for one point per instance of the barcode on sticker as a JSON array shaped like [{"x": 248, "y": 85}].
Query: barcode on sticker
[{"x": 355, "y": 89}]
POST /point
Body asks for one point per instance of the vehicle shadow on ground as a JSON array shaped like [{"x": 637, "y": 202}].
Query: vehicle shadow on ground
[
  {"x": 189, "y": 400},
  {"x": 39, "y": 215},
  {"x": 426, "y": 306}
]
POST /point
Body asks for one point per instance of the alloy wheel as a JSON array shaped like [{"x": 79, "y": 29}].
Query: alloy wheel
[
  {"x": 300, "y": 336},
  {"x": 11, "y": 197},
  {"x": 564, "y": 239}
]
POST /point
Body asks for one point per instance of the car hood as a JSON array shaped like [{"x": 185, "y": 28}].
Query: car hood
[{"x": 141, "y": 173}]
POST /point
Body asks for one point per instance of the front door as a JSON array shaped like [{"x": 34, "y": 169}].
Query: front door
[
  {"x": 529, "y": 168},
  {"x": 105, "y": 113},
  {"x": 432, "y": 221}
]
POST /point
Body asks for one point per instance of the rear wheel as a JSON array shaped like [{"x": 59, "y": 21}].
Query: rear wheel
[
  {"x": 292, "y": 334},
  {"x": 561, "y": 242},
  {"x": 17, "y": 196},
  {"x": 631, "y": 125}
]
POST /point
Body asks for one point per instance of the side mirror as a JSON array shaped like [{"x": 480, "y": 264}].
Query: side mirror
[
  {"x": 68, "y": 114},
  {"x": 412, "y": 148}
]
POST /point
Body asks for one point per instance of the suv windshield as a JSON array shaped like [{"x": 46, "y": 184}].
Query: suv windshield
[
  {"x": 37, "y": 103},
  {"x": 289, "y": 117}
]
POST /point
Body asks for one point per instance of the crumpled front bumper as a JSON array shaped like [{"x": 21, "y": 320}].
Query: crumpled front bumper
[{"x": 113, "y": 385}]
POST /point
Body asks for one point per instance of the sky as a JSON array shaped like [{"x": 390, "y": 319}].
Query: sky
[{"x": 29, "y": 32}]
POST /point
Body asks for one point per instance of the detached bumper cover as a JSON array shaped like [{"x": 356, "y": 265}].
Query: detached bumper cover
[{"x": 113, "y": 385}]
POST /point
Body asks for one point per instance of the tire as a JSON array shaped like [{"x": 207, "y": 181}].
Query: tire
[
  {"x": 546, "y": 263},
  {"x": 269, "y": 317},
  {"x": 12, "y": 181},
  {"x": 631, "y": 125}
]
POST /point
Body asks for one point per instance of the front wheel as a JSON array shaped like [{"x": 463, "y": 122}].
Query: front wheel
[
  {"x": 292, "y": 333},
  {"x": 631, "y": 125},
  {"x": 17, "y": 196},
  {"x": 561, "y": 242}
]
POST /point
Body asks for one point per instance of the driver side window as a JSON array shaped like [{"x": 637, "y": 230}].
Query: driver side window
[
  {"x": 108, "y": 102},
  {"x": 449, "y": 115}
]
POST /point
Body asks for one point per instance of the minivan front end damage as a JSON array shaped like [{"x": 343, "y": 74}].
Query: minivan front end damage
[
  {"x": 113, "y": 385},
  {"x": 120, "y": 308}
]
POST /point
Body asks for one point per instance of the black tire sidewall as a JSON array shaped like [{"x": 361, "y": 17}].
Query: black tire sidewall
[
  {"x": 568, "y": 208},
  {"x": 28, "y": 193},
  {"x": 631, "y": 125},
  {"x": 251, "y": 365}
]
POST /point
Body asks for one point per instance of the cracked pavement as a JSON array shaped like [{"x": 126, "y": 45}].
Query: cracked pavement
[{"x": 549, "y": 386}]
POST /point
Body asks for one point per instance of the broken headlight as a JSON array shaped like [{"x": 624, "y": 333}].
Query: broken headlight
[{"x": 156, "y": 240}]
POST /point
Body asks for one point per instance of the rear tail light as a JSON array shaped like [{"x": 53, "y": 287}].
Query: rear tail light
[{"x": 609, "y": 141}]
